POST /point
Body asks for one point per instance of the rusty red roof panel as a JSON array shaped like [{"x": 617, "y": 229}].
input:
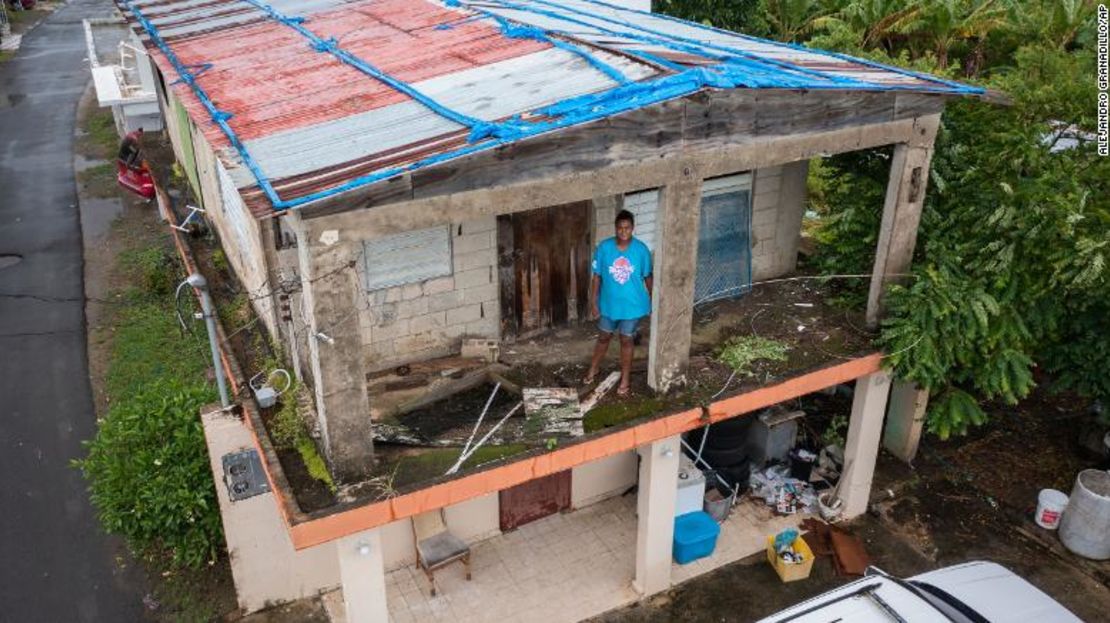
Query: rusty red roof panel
[{"x": 269, "y": 77}]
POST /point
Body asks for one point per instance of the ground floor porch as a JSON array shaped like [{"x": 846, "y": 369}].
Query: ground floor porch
[{"x": 566, "y": 567}]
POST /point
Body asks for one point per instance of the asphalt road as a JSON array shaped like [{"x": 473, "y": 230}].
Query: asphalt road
[{"x": 55, "y": 563}]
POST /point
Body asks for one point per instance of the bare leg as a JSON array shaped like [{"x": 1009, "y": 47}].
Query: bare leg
[
  {"x": 626, "y": 365},
  {"x": 600, "y": 349}
]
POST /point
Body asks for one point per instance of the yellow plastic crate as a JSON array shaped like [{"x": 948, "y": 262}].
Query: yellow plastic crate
[{"x": 791, "y": 572}]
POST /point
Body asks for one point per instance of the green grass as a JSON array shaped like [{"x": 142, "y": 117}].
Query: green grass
[
  {"x": 6, "y": 55},
  {"x": 607, "y": 415},
  {"x": 99, "y": 180},
  {"x": 26, "y": 17},
  {"x": 148, "y": 345},
  {"x": 101, "y": 137},
  {"x": 433, "y": 463}
]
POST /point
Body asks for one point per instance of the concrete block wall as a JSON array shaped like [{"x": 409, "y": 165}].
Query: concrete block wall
[
  {"x": 419, "y": 321},
  {"x": 778, "y": 203}
]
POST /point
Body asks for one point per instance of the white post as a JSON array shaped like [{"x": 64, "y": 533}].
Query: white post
[
  {"x": 655, "y": 505},
  {"x": 362, "y": 573},
  {"x": 905, "y": 418},
  {"x": 865, "y": 428}
]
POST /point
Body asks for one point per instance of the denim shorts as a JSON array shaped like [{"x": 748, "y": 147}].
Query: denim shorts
[{"x": 626, "y": 328}]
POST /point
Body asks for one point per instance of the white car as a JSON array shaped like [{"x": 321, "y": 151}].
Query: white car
[{"x": 974, "y": 592}]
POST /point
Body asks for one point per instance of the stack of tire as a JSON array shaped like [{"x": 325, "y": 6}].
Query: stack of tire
[{"x": 725, "y": 450}]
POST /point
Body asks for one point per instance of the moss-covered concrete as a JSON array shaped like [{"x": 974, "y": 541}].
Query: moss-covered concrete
[
  {"x": 612, "y": 414},
  {"x": 430, "y": 464}
]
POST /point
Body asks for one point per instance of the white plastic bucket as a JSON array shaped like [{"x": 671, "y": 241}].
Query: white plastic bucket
[{"x": 1050, "y": 506}]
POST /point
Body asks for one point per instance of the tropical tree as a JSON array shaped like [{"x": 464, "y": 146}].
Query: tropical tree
[
  {"x": 790, "y": 20},
  {"x": 871, "y": 23},
  {"x": 948, "y": 23}
]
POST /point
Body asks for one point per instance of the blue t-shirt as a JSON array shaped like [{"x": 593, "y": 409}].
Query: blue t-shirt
[{"x": 624, "y": 295}]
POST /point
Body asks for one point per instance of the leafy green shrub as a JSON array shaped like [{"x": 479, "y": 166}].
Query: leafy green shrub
[
  {"x": 149, "y": 476},
  {"x": 740, "y": 352}
]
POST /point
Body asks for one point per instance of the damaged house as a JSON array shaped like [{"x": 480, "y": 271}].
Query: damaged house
[{"x": 411, "y": 191}]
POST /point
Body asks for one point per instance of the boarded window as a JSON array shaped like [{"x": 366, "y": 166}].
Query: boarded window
[{"x": 409, "y": 257}]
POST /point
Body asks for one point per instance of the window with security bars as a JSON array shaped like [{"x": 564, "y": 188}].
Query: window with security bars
[{"x": 724, "y": 238}]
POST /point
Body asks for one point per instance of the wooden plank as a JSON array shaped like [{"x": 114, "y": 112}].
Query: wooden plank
[
  {"x": 581, "y": 254},
  {"x": 553, "y": 410},
  {"x": 698, "y": 122},
  {"x": 558, "y": 260},
  {"x": 599, "y": 392},
  {"x": 506, "y": 273},
  {"x": 907, "y": 105},
  {"x": 635, "y": 135},
  {"x": 392, "y": 190}
]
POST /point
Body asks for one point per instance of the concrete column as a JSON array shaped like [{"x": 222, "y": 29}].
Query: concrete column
[
  {"x": 655, "y": 505},
  {"x": 862, "y": 447},
  {"x": 905, "y": 196},
  {"x": 362, "y": 573},
  {"x": 676, "y": 259},
  {"x": 905, "y": 417},
  {"x": 331, "y": 299}
]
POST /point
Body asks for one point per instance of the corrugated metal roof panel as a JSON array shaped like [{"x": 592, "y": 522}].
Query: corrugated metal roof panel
[
  {"x": 489, "y": 93},
  {"x": 321, "y": 92}
]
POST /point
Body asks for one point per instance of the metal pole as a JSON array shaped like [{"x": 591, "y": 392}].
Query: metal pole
[{"x": 208, "y": 311}]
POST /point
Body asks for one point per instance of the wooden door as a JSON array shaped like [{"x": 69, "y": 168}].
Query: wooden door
[
  {"x": 534, "y": 500},
  {"x": 544, "y": 264}
]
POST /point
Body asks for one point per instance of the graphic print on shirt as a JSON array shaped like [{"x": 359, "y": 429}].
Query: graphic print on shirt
[{"x": 621, "y": 270}]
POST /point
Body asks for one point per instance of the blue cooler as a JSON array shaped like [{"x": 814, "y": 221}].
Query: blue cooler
[{"x": 695, "y": 536}]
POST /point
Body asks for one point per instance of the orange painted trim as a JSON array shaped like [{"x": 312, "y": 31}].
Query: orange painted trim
[{"x": 344, "y": 523}]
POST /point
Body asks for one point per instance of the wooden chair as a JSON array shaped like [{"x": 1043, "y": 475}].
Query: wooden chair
[{"x": 436, "y": 547}]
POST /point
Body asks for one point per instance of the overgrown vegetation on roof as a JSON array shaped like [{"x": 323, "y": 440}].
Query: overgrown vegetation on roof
[{"x": 740, "y": 352}]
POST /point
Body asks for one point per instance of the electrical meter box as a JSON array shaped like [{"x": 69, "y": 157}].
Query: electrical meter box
[{"x": 243, "y": 475}]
